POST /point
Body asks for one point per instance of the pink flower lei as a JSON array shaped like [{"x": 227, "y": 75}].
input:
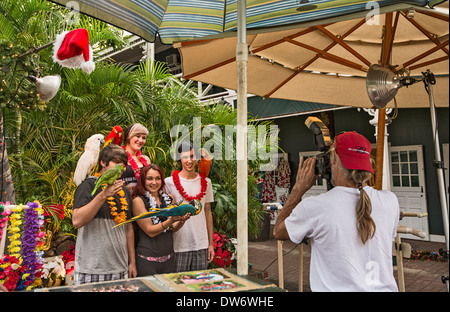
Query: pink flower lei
[{"x": 133, "y": 162}]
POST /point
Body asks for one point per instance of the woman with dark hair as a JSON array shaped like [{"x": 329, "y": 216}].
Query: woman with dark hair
[{"x": 154, "y": 250}]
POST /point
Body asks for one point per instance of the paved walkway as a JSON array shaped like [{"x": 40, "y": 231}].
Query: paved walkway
[{"x": 419, "y": 276}]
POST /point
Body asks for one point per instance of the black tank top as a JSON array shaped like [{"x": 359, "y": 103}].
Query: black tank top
[
  {"x": 128, "y": 175},
  {"x": 161, "y": 244}
]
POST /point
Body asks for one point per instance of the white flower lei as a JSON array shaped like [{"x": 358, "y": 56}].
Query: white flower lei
[
  {"x": 153, "y": 204},
  {"x": 151, "y": 200}
]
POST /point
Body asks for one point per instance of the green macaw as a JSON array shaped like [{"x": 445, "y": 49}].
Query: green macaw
[
  {"x": 194, "y": 208},
  {"x": 109, "y": 176}
]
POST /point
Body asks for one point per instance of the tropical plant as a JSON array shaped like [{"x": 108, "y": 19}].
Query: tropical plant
[
  {"x": 25, "y": 25},
  {"x": 44, "y": 150}
]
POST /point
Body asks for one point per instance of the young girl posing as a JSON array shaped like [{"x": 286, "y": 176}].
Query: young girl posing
[{"x": 154, "y": 250}]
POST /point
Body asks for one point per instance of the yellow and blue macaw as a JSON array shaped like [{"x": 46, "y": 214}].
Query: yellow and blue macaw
[{"x": 194, "y": 208}]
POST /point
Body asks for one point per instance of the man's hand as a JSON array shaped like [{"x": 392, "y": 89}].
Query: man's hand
[
  {"x": 306, "y": 176},
  {"x": 112, "y": 189}
]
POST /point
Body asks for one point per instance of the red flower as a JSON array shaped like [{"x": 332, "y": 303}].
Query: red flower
[
  {"x": 222, "y": 252},
  {"x": 54, "y": 210},
  {"x": 69, "y": 255}
]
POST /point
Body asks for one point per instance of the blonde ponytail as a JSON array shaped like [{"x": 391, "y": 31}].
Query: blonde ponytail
[
  {"x": 364, "y": 222},
  {"x": 366, "y": 225}
]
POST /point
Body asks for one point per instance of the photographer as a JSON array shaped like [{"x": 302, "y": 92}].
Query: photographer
[{"x": 350, "y": 227}]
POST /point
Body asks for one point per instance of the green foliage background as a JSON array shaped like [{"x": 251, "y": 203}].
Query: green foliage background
[{"x": 45, "y": 140}]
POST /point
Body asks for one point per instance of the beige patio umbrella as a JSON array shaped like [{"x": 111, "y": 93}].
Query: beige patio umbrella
[{"x": 327, "y": 61}]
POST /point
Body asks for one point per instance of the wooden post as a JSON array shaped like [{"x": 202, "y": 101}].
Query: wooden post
[
  {"x": 380, "y": 149},
  {"x": 280, "y": 264},
  {"x": 400, "y": 272},
  {"x": 300, "y": 268}
]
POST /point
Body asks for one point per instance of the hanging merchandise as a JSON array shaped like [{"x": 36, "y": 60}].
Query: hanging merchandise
[
  {"x": 268, "y": 188},
  {"x": 283, "y": 172}
]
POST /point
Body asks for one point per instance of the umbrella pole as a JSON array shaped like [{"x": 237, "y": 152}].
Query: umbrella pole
[
  {"x": 241, "y": 141},
  {"x": 380, "y": 148},
  {"x": 429, "y": 81}
]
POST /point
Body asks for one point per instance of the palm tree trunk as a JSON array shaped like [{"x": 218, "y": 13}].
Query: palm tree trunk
[{"x": 7, "y": 192}]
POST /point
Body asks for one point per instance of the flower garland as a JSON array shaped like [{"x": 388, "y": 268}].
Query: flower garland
[
  {"x": 151, "y": 200},
  {"x": 134, "y": 164},
  {"x": 12, "y": 273},
  {"x": 31, "y": 246},
  {"x": 15, "y": 244},
  {"x": 3, "y": 219},
  {"x": 426, "y": 255},
  {"x": 153, "y": 204},
  {"x": 199, "y": 196},
  {"x": 121, "y": 216},
  {"x": 22, "y": 268}
]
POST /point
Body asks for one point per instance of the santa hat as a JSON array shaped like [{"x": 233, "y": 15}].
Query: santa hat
[{"x": 71, "y": 49}]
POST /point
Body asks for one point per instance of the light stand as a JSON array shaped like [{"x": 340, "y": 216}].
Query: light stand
[
  {"x": 382, "y": 86},
  {"x": 429, "y": 81}
]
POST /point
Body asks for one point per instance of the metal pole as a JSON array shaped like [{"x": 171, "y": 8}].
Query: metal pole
[
  {"x": 241, "y": 140},
  {"x": 429, "y": 81}
]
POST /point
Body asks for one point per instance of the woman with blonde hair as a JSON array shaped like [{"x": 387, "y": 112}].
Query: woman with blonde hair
[
  {"x": 351, "y": 227},
  {"x": 134, "y": 139}
]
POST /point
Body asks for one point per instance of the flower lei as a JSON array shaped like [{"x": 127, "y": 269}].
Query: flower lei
[
  {"x": 22, "y": 269},
  {"x": 199, "y": 196},
  {"x": 15, "y": 244},
  {"x": 153, "y": 204},
  {"x": 31, "y": 245},
  {"x": 3, "y": 219},
  {"x": 121, "y": 216},
  {"x": 134, "y": 164},
  {"x": 426, "y": 255},
  {"x": 12, "y": 273},
  {"x": 151, "y": 200}
]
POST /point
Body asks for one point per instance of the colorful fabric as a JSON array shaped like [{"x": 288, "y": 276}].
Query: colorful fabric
[
  {"x": 283, "y": 173},
  {"x": 268, "y": 188}
]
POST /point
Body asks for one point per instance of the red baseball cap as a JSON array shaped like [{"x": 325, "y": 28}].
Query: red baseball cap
[{"x": 354, "y": 151}]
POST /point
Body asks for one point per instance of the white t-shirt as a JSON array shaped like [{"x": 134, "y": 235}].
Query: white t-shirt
[
  {"x": 339, "y": 260},
  {"x": 193, "y": 235}
]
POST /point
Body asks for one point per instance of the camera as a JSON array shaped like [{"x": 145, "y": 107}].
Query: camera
[{"x": 323, "y": 141}]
